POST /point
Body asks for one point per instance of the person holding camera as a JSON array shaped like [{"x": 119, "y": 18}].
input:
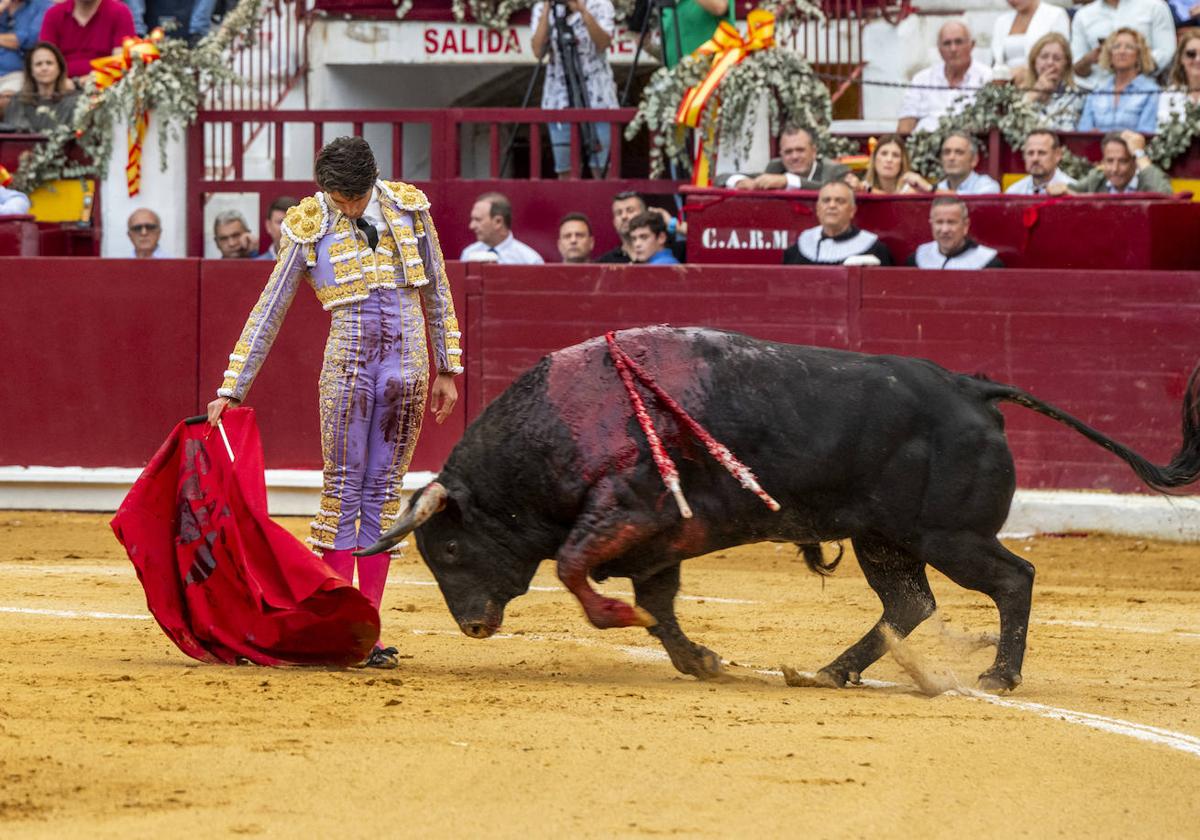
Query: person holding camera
[{"x": 577, "y": 33}]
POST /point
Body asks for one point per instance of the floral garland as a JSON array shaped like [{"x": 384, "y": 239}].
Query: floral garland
[
  {"x": 170, "y": 87},
  {"x": 496, "y": 15},
  {"x": 1176, "y": 137},
  {"x": 781, "y": 78}
]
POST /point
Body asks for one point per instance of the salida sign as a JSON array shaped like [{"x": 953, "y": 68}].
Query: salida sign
[{"x": 451, "y": 43}]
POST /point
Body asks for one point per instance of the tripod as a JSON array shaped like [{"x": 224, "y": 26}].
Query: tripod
[
  {"x": 648, "y": 11},
  {"x": 577, "y": 96}
]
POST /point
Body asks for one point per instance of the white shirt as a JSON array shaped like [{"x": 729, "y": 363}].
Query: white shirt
[
  {"x": 13, "y": 202},
  {"x": 1096, "y": 21},
  {"x": 159, "y": 253},
  {"x": 593, "y": 63},
  {"x": 794, "y": 182},
  {"x": 1025, "y": 185},
  {"x": 1013, "y": 50},
  {"x": 928, "y": 106},
  {"x": 509, "y": 252},
  {"x": 974, "y": 184}
]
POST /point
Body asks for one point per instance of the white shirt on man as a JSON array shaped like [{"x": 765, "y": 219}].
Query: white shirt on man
[
  {"x": 974, "y": 184},
  {"x": 931, "y": 97},
  {"x": 509, "y": 252},
  {"x": 1097, "y": 20},
  {"x": 1026, "y": 186}
]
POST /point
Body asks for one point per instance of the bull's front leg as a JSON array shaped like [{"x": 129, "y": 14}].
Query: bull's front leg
[
  {"x": 596, "y": 539},
  {"x": 657, "y": 596}
]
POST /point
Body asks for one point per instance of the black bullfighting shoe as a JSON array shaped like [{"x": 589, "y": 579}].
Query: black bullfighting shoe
[{"x": 386, "y": 658}]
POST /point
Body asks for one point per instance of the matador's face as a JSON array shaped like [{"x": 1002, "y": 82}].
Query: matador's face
[{"x": 351, "y": 206}]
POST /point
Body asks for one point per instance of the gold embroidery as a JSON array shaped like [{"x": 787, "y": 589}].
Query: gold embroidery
[{"x": 307, "y": 221}]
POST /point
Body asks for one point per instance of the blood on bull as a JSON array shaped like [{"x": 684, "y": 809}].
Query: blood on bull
[{"x": 903, "y": 458}]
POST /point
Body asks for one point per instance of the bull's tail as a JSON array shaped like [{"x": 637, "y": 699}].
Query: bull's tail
[{"x": 1184, "y": 467}]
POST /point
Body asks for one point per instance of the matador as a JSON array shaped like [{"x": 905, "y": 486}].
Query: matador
[{"x": 370, "y": 251}]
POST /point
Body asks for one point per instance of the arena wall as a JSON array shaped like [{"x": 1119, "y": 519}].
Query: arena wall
[{"x": 100, "y": 382}]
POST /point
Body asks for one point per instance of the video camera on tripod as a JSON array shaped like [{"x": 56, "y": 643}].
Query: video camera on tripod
[{"x": 567, "y": 45}]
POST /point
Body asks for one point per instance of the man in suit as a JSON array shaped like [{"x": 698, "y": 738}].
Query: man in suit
[
  {"x": 1125, "y": 168},
  {"x": 798, "y": 167}
]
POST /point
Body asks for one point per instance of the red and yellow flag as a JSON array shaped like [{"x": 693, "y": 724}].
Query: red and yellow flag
[{"x": 109, "y": 70}]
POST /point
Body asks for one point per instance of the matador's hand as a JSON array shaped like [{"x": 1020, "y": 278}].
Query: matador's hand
[
  {"x": 216, "y": 407},
  {"x": 442, "y": 397}
]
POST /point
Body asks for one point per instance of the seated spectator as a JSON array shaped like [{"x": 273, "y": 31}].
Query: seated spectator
[
  {"x": 959, "y": 157},
  {"x": 835, "y": 239},
  {"x": 1185, "y": 12},
  {"x": 575, "y": 240},
  {"x": 648, "y": 239},
  {"x": 1052, "y": 89},
  {"x": 1096, "y": 22},
  {"x": 1043, "y": 153},
  {"x": 951, "y": 247},
  {"x": 232, "y": 235},
  {"x": 13, "y": 202},
  {"x": 889, "y": 171},
  {"x": 1016, "y": 31},
  {"x": 87, "y": 29},
  {"x": 936, "y": 89},
  {"x": 272, "y": 223},
  {"x": 48, "y": 96},
  {"x": 20, "y": 23},
  {"x": 625, "y": 206},
  {"x": 1124, "y": 168},
  {"x": 1130, "y": 97},
  {"x": 145, "y": 229},
  {"x": 798, "y": 167},
  {"x": 1183, "y": 82},
  {"x": 491, "y": 222},
  {"x": 592, "y": 24}
]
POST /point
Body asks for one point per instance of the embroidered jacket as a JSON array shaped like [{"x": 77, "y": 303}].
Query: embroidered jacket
[{"x": 322, "y": 245}]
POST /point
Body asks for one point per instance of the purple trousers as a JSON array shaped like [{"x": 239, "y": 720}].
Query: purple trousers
[{"x": 373, "y": 387}]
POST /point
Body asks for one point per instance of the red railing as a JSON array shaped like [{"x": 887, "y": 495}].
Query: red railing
[{"x": 269, "y": 65}]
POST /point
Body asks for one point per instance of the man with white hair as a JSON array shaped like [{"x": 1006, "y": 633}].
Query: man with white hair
[
  {"x": 936, "y": 89},
  {"x": 951, "y": 247}
]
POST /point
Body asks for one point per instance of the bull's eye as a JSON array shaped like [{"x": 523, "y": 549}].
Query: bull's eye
[{"x": 451, "y": 549}]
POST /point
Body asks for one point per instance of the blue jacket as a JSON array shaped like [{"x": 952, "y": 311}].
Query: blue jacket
[
  {"x": 663, "y": 257},
  {"x": 1139, "y": 111},
  {"x": 26, "y": 24}
]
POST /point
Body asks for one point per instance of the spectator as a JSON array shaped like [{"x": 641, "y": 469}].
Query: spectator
[
  {"x": 575, "y": 240},
  {"x": 696, "y": 21},
  {"x": 1052, "y": 87},
  {"x": 935, "y": 89},
  {"x": 145, "y": 229},
  {"x": 889, "y": 170},
  {"x": 625, "y": 206},
  {"x": 1130, "y": 97},
  {"x": 87, "y": 29},
  {"x": 1093, "y": 25},
  {"x": 591, "y": 22},
  {"x": 959, "y": 157},
  {"x": 1124, "y": 168},
  {"x": 951, "y": 247},
  {"x": 1016, "y": 31},
  {"x": 1183, "y": 83},
  {"x": 48, "y": 96},
  {"x": 648, "y": 239},
  {"x": 189, "y": 20},
  {"x": 232, "y": 235},
  {"x": 491, "y": 222},
  {"x": 1042, "y": 152},
  {"x": 835, "y": 239},
  {"x": 275, "y": 214},
  {"x": 1185, "y": 12},
  {"x": 20, "y": 23},
  {"x": 13, "y": 202},
  {"x": 798, "y": 167}
]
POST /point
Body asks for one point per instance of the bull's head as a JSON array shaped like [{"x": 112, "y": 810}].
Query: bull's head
[{"x": 477, "y": 574}]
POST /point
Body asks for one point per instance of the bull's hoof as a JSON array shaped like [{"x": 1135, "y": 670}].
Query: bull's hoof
[
  {"x": 994, "y": 680},
  {"x": 609, "y": 612},
  {"x": 821, "y": 679}
]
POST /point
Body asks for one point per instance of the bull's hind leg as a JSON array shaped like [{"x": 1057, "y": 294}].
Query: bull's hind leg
[
  {"x": 984, "y": 565},
  {"x": 656, "y": 595},
  {"x": 899, "y": 580}
]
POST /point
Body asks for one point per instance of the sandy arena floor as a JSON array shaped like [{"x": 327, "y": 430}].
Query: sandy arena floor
[{"x": 556, "y": 729}]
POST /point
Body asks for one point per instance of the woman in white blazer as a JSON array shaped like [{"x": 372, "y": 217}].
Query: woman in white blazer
[{"x": 1019, "y": 29}]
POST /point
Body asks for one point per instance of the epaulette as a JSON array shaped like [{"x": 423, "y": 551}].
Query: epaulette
[
  {"x": 406, "y": 196},
  {"x": 308, "y": 221}
]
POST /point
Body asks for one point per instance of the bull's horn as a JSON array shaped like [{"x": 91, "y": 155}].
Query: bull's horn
[{"x": 432, "y": 499}]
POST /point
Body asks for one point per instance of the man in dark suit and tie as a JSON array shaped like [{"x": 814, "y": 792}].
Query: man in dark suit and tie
[{"x": 798, "y": 167}]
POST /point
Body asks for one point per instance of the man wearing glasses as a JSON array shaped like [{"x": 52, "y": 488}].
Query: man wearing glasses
[
  {"x": 936, "y": 89},
  {"x": 145, "y": 229}
]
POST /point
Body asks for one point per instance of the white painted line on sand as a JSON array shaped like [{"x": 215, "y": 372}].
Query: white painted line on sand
[{"x": 76, "y": 614}]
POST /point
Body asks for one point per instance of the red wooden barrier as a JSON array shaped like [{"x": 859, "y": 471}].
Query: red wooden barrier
[{"x": 100, "y": 358}]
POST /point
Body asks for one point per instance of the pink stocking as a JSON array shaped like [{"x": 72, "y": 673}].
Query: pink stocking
[
  {"x": 341, "y": 560},
  {"x": 372, "y": 576}
]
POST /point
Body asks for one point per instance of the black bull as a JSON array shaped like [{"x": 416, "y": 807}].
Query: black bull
[{"x": 904, "y": 458}]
